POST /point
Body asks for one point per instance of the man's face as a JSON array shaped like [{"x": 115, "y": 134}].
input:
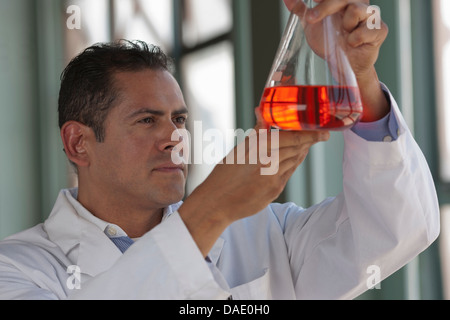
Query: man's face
[{"x": 134, "y": 163}]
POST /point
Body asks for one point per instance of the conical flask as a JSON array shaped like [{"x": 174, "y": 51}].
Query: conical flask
[{"x": 311, "y": 85}]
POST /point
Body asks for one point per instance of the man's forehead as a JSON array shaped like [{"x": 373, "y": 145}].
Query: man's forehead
[
  {"x": 149, "y": 89},
  {"x": 144, "y": 77},
  {"x": 148, "y": 92}
]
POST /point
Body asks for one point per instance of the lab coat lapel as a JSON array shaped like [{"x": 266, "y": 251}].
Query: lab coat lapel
[
  {"x": 96, "y": 252},
  {"x": 63, "y": 225},
  {"x": 216, "y": 250}
]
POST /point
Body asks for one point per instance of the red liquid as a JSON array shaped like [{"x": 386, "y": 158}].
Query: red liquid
[{"x": 311, "y": 107}]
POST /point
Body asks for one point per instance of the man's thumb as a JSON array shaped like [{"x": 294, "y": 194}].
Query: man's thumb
[{"x": 290, "y": 4}]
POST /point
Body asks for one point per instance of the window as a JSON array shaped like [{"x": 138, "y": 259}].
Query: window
[
  {"x": 204, "y": 20},
  {"x": 208, "y": 78},
  {"x": 147, "y": 20},
  {"x": 442, "y": 69},
  {"x": 441, "y": 18}
]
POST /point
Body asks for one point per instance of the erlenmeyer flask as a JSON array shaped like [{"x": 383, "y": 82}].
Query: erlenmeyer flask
[{"x": 311, "y": 85}]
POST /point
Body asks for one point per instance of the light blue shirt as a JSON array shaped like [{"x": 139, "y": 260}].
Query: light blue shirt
[{"x": 385, "y": 129}]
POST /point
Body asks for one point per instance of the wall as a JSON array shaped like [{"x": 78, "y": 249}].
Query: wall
[{"x": 31, "y": 165}]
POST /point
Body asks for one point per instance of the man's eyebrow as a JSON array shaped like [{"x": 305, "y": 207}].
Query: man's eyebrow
[{"x": 183, "y": 110}]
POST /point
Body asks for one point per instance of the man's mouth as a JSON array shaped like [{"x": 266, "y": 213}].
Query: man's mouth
[{"x": 169, "y": 168}]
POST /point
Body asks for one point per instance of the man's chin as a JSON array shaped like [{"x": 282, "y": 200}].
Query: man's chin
[{"x": 167, "y": 197}]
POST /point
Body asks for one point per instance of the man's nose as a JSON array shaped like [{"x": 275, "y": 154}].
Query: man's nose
[{"x": 170, "y": 137}]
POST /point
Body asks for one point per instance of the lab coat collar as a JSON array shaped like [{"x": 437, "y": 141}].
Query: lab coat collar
[
  {"x": 63, "y": 224},
  {"x": 96, "y": 253}
]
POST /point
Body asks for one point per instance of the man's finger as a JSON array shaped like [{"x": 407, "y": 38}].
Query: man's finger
[
  {"x": 363, "y": 35},
  {"x": 328, "y": 7},
  {"x": 296, "y": 6},
  {"x": 290, "y": 4},
  {"x": 297, "y": 138},
  {"x": 289, "y": 165},
  {"x": 290, "y": 152},
  {"x": 355, "y": 13}
]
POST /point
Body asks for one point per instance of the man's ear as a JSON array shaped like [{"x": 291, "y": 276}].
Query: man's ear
[{"x": 75, "y": 137}]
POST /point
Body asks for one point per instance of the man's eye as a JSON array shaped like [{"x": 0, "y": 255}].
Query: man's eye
[
  {"x": 180, "y": 120},
  {"x": 147, "y": 120}
]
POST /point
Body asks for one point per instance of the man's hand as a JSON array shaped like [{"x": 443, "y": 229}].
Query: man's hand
[
  {"x": 234, "y": 191},
  {"x": 361, "y": 45}
]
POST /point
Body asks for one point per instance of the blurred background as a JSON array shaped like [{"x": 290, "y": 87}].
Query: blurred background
[{"x": 223, "y": 51}]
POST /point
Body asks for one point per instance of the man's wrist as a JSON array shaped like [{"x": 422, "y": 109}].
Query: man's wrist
[
  {"x": 376, "y": 105},
  {"x": 385, "y": 129},
  {"x": 204, "y": 223}
]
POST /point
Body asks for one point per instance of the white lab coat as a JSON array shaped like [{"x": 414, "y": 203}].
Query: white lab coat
[{"x": 387, "y": 214}]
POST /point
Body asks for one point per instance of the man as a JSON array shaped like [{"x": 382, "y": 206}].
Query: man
[{"x": 124, "y": 234}]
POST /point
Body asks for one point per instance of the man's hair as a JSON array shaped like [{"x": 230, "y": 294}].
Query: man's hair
[{"x": 88, "y": 90}]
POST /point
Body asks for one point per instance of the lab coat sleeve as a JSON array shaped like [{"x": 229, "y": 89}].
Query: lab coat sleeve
[
  {"x": 386, "y": 215},
  {"x": 164, "y": 264},
  {"x": 15, "y": 285},
  {"x": 23, "y": 288}
]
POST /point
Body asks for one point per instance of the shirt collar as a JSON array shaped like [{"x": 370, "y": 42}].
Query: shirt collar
[{"x": 111, "y": 230}]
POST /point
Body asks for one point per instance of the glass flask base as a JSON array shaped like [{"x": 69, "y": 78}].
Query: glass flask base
[{"x": 311, "y": 107}]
